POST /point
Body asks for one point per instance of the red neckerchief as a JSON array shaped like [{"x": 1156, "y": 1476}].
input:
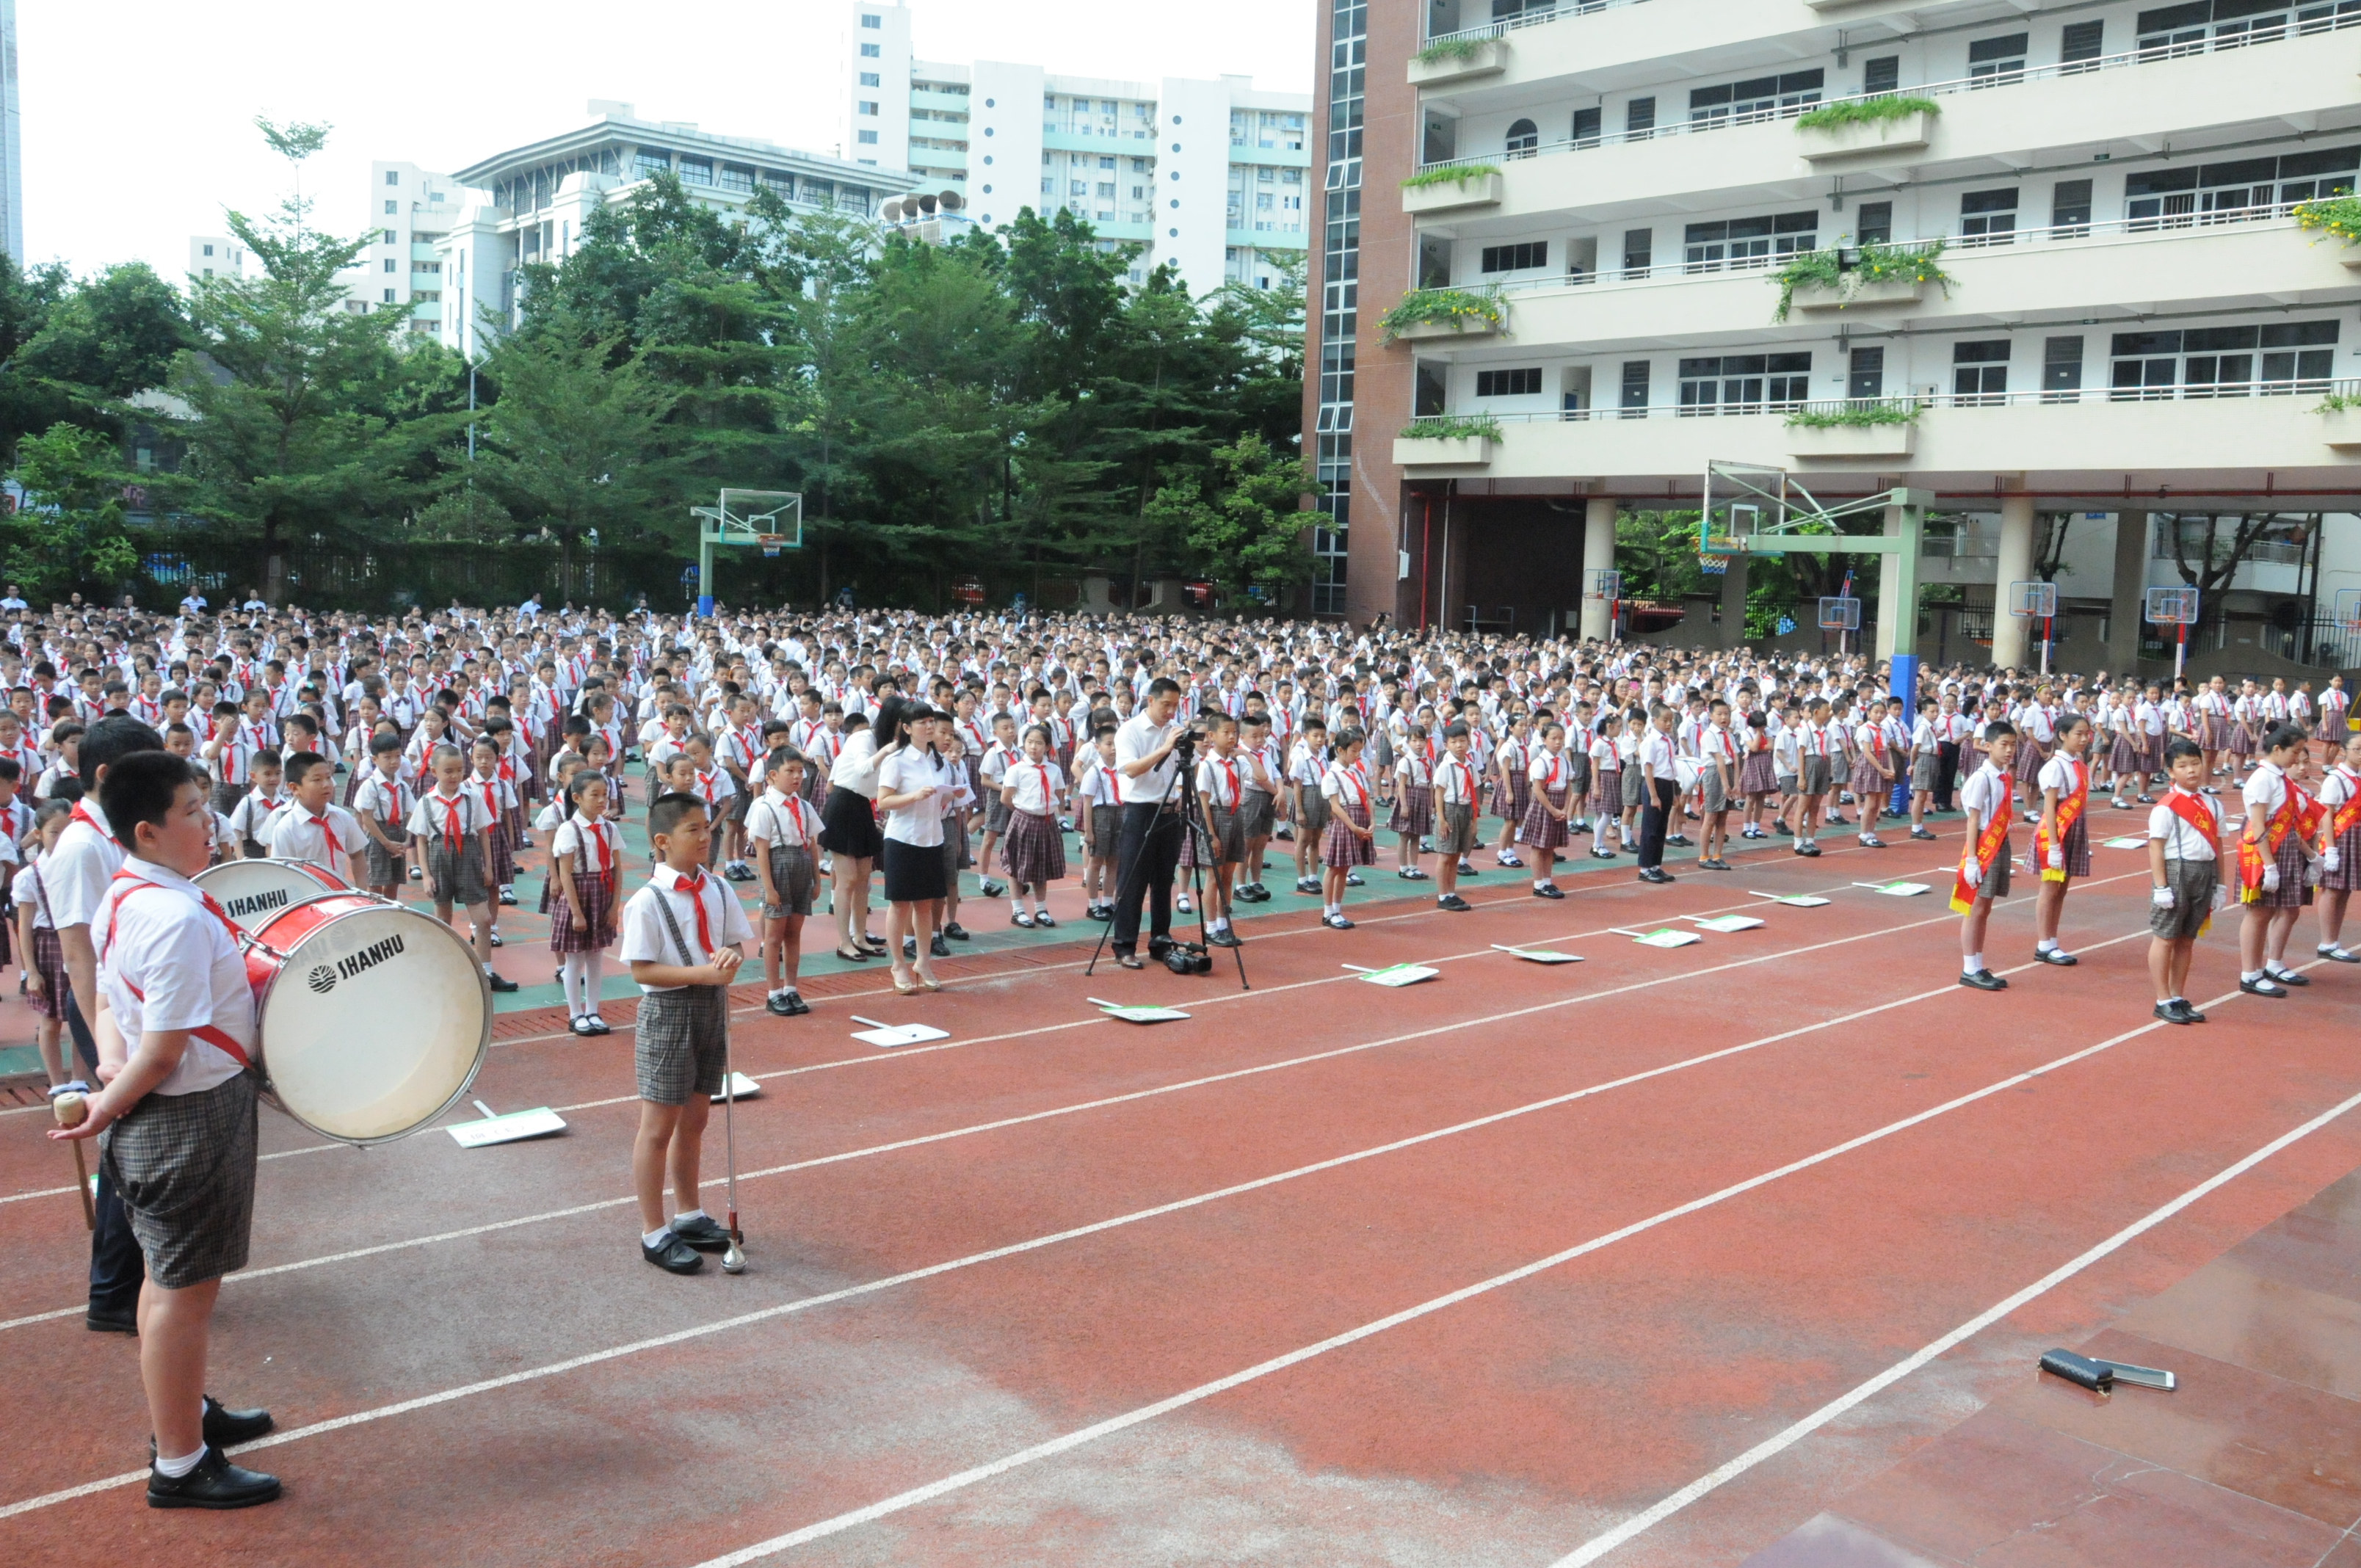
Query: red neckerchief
[
  {"x": 1467, "y": 775},
  {"x": 597, "y": 833},
  {"x": 454, "y": 827},
  {"x": 1229, "y": 771},
  {"x": 697, "y": 900},
  {"x": 704, "y": 787},
  {"x": 82, "y": 815},
  {"x": 1549, "y": 780},
  {"x": 490, "y": 788},
  {"x": 328, "y": 829},
  {"x": 220, "y": 1039}
]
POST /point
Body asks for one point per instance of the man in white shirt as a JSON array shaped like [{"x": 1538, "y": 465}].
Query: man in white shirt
[
  {"x": 1149, "y": 850},
  {"x": 179, "y": 1118}
]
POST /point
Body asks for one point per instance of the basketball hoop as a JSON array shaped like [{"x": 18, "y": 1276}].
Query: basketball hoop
[
  {"x": 772, "y": 545},
  {"x": 1840, "y": 614},
  {"x": 1711, "y": 564},
  {"x": 2038, "y": 601},
  {"x": 2175, "y": 607}
]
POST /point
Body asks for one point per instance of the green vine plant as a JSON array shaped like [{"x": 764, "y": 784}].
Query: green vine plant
[
  {"x": 1453, "y": 427},
  {"x": 2337, "y": 402},
  {"x": 2338, "y": 216},
  {"x": 1864, "y": 112},
  {"x": 1882, "y": 410},
  {"x": 1451, "y": 49},
  {"x": 1872, "y": 263},
  {"x": 1462, "y": 308},
  {"x": 1450, "y": 174}
]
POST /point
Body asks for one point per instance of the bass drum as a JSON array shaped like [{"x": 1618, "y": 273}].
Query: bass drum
[
  {"x": 374, "y": 1018},
  {"x": 251, "y": 892}
]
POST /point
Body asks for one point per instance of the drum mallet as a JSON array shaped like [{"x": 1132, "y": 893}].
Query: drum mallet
[{"x": 69, "y": 1111}]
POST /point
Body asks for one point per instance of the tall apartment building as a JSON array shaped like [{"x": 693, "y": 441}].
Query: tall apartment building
[
  {"x": 1210, "y": 176},
  {"x": 216, "y": 256},
  {"x": 410, "y": 210},
  {"x": 2131, "y": 330},
  {"x": 12, "y": 134},
  {"x": 528, "y": 204}
]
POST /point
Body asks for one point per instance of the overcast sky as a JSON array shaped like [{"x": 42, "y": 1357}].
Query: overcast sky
[{"x": 138, "y": 113}]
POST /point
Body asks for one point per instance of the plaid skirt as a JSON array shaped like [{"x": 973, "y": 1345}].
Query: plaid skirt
[
  {"x": 1756, "y": 775},
  {"x": 2214, "y": 732},
  {"x": 1606, "y": 796},
  {"x": 2029, "y": 758},
  {"x": 1868, "y": 779},
  {"x": 1414, "y": 810},
  {"x": 2290, "y": 894},
  {"x": 2345, "y": 878},
  {"x": 50, "y": 963},
  {"x": 793, "y": 874},
  {"x": 1541, "y": 829},
  {"x": 1510, "y": 800},
  {"x": 2124, "y": 758},
  {"x": 681, "y": 1042},
  {"x": 1341, "y": 847},
  {"x": 504, "y": 864},
  {"x": 184, "y": 1167},
  {"x": 1035, "y": 850},
  {"x": 2242, "y": 740},
  {"x": 597, "y": 890},
  {"x": 387, "y": 866},
  {"x": 2077, "y": 845}
]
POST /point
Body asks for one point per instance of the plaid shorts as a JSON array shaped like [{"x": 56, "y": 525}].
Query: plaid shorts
[
  {"x": 681, "y": 1043},
  {"x": 2192, "y": 883},
  {"x": 792, "y": 873},
  {"x": 184, "y": 1164},
  {"x": 453, "y": 874},
  {"x": 1458, "y": 835}
]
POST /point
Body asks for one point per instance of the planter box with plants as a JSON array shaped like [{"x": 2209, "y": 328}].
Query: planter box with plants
[
  {"x": 2340, "y": 422},
  {"x": 1885, "y": 429},
  {"x": 1447, "y": 439},
  {"x": 1451, "y": 188},
  {"x": 2337, "y": 218},
  {"x": 1447, "y": 61},
  {"x": 1868, "y": 130},
  {"x": 1426, "y": 313},
  {"x": 1879, "y": 275}
]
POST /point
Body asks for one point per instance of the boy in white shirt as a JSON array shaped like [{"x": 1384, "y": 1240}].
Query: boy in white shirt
[
  {"x": 785, "y": 833},
  {"x": 310, "y": 827},
  {"x": 2184, "y": 863},
  {"x": 255, "y": 805},
  {"x": 457, "y": 838},
  {"x": 1984, "y": 864}
]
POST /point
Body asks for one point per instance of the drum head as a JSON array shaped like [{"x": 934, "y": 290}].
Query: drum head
[
  {"x": 251, "y": 892},
  {"x": 376, "y": 1024}
]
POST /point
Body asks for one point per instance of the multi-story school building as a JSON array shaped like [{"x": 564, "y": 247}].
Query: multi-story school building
[{"x": 2048, "y": 262}]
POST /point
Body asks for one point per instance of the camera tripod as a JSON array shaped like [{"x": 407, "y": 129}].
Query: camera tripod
[{"x": 1182, "y": 958}]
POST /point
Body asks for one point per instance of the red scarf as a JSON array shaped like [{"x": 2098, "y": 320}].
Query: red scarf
[
  {"x": 454, "y": 820},
  {"x": 328, "y": 830},
  {"x": 697, "y": 899}
]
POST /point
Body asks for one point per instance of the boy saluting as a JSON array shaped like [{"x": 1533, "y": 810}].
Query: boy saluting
[
  {"x": 684, "y": 936},
  {"x": 179, "y": 1118}
]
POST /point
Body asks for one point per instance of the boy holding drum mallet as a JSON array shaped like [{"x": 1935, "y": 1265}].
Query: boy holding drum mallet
[
  {"x": 180, "y": 1116},
  {"x": 684, "y": 936}
]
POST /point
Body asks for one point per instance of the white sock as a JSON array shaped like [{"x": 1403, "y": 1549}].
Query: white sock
[
  {"x": 774, "y": 993},
  {"x": 1972, "y": 964},
  {"x": 692, "y": 1214},
  {"x": 592, "y": 963},
  {"x": 2047, "y": 945},
  {"x": 656, "y": 1237},
  {"x": 1541, "y": 881},
  {"x": 173, "y": 1469},
  {"x": 2251, "y": 974},
  {"x": 571, "y": 971},
  {"x": 2277, "y": 966}
]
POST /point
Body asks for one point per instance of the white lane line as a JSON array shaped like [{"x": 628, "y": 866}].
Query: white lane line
[
  {"x": 911, "y": 1498},
  {"x": 1600, "y": 1545},
  {"x": 411, "y": 1243},
  {"x": 1016, "y": 1248}
]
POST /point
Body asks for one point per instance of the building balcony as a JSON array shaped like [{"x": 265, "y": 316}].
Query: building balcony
[
  {"x": 2104, "y": 272},
  {"x": 2160, "y": 448},
  {"x": 2140, "y": 98}
]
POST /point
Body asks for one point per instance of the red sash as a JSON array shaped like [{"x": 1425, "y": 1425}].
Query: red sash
[
  {"x": 2255, "y": 854},
  {"x": 1984, "y": 851},
  {"x": 222, "y": 1039},
  {"x": 2348, "y": 814},
  {"x": 2070, "y": 811}
]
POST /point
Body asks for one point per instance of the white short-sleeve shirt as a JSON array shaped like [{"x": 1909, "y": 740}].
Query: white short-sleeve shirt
[
  {"x": 291, "y": 833},
  {"x": 2182, "y": 841},
  {"x": 921, "y": 821},
  {"x": 776, "y": 819},
  {"x": 76, "y": 873},
  {"x": 168, "y": 962},
  {"x": 647, "y": 939},
  {"x": 1984, "y": 794}
]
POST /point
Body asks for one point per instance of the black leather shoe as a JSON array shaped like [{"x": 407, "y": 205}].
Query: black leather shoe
[
  {"x": 1157, "y": 947},
  {"x": 1549, "y": 890},
  {"x": 1681, "y": 839},
  {"x": 2058, "y": 956},
  {"x": 956, "y": 932},
  {"x": 500, "y": 983},
  {"x": 704, "y": 1234},
  {"x": 1128, "y": 960},
  {"x": 2266, "y": 986},
  {"x": 226, "y": 1428},
  {"x": 2170, "y": 1012},
  {"x": 113, "y": 1323},
  {"x": 2291, "y": 977},
  {"x": 216, "y": 1483},
  {"x": 2188, "y": 1013},
  {"x": 1983, "y": 980},
  {"x": 674, "y": 1257},
  {"x": 1809, "y": 851},
  {"x": 778, "y": 1005},
  {"x": 940, "y": 947},
  {"x": 1453, "y": 903},
  {"x": 1223, "y": 939},
  {"x": 1656, "y": 875}
]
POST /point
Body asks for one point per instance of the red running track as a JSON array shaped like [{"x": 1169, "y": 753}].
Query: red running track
[{"x": 1067, "y": 1290}]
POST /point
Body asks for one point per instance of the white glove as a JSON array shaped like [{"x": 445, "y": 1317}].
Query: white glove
[
  {"x": 2271, "y": 877},
  {"x": 2331, "y": 860},
  {"x": 1972, "y": 873},
  {"x": 2057, "y": 857},
  {"x": 2160, "y": 897}
]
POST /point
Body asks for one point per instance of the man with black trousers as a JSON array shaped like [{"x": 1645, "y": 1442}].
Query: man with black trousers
[
  {"x": 75, "y": 876},
  {"x": 1148, "y": 849},
  {"x": 1659, "y": 791}
]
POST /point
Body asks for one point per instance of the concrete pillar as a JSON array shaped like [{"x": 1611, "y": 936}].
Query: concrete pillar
[
  {"x": 1597, "y": 554},
  {"x": 1890, "y": 595},
  {"x": 1733, "y": 603},
  {"x": 2128, "y": 599},
  {"x": 2016, "y": 566}
]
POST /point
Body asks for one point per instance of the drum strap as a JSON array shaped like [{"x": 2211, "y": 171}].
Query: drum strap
[
  {"x": 672, "y": 923},
  {"x": 221, "y": 1039}
]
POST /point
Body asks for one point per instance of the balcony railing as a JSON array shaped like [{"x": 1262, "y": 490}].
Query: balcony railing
[
  {"x": 2206, "y": 392},
  {"x": 1533, "y": 17},
  {"x": 2310, "y": 20}
]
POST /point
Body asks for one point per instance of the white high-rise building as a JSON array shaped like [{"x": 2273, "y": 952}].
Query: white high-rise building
[
  {"x": 216, "y": 256},
  {"x": 410, "y": 210},
  {"x": 12, "y": 132},
  {"x": 1210, "y": 176},
  {"x": 2046, "y": 263}
]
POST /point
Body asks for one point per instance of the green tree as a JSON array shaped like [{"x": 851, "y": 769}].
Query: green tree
[
  {"x": 575, "y": 440},
  {"x": 69, "y": 533},
  {"x": 1249, "y": 535}
]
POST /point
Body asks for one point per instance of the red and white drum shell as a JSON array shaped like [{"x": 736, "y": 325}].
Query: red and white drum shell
[
  {"x": 251, "y": 892},
  {"x": 374, "y": 1017}
]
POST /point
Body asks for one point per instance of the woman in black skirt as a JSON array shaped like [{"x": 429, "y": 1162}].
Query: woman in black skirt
[
  {"x": 914, "y": 786},
  {"x": 849, "y": 831}
]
